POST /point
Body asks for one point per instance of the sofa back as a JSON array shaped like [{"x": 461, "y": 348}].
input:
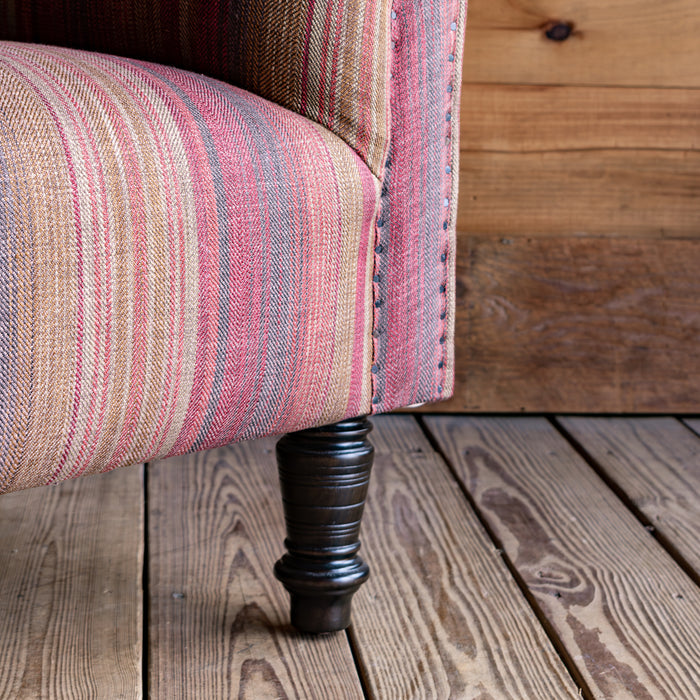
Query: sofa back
[{"x": 323, "y": 59}]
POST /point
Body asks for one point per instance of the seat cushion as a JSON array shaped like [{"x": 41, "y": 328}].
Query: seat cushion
[{"x": 182, "y": 264}]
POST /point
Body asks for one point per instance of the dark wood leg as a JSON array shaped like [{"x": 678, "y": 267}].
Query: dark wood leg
[{"x": 324, "y": 473}]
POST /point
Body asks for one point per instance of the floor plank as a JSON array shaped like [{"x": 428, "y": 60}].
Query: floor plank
[
  {"x": 656, "y": 462},
  {"x": 440, "y": 617},
  {"x": 71, "y": 560},
  {"x": 627, "y": 614},
  {"x": 218, "y": 619}
]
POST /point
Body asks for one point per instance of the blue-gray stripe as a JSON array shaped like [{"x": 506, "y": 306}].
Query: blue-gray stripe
[
  {"x": 9, "y": 292},
  {"x": 275, "y": 183}
]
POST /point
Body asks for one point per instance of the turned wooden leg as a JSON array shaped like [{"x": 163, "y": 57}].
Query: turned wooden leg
[{"x": 324, "y": 473}]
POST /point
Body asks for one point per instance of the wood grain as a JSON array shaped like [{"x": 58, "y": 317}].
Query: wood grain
[
  {"x": 551, "y": 118},
  {"x": 71, "y": 560},
  {"x": 552, "y": 147},
  {"x": 626, "y": 42},
  {"x": 440, "y": 616},
  {"x": 576, "y": 325},
  {"x": 627, "y": 614},
  {"x": 219, "y": 621},
  {"x": 605, "y": 192},
  {"x": 656, "y": 462},
  {"x": 556, "y": 161}
]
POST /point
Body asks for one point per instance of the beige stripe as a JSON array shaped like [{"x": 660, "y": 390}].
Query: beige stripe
[
  {"x": 347, "y": 112},
  {"x": 351, "y": 209},
  {"x": 313, "y": 75},
  {"x": 379, "y": 93},
  {"x": 47, "y": 214},
  {"x": 179, "y": 183},
  {"x": 15, "y": 430}
]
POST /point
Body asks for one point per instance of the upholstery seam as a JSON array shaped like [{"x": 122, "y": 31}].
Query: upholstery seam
[
  {"x": 379, "y": 243},
  {"x": 458, "y": 29},
  {"x": 449, "y": 168}
]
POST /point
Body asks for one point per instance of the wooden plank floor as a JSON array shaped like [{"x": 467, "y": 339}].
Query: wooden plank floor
[{"x": 512, "y": 557}]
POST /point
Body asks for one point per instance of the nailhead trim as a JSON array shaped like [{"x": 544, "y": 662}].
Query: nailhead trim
[
  {"x": 442, "y": 364},
  {"x": 444, "y": 256}
]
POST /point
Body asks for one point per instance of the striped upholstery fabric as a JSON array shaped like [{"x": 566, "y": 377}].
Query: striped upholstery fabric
[
  {"x": 415, "y": 234},
  {"x": 325, "y": 60},
  {"x": 187, "y": 264},
  {"x": 182, "y": 264}
]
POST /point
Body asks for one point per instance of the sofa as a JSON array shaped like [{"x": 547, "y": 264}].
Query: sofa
[{"x": 222, "y": 220}]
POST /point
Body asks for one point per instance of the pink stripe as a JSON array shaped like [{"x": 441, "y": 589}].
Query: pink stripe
[
  {"x": 407, "y": 213},
  {"x": 176, "y": 302},
  {"x": 208, "y": 259}
]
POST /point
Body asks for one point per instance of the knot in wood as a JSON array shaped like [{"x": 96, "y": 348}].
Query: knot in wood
[{"x": 559, "y": 31}]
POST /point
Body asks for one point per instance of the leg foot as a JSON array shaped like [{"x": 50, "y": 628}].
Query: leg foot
[{"x": 324, "y": 473}]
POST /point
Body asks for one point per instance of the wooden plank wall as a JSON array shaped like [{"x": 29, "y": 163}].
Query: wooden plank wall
[{"x": 579, "y": 211}]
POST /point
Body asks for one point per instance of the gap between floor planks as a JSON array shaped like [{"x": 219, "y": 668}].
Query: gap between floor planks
[
  {"x": 440, "y": 616},
  {"x": 653, "y": 464},
  {"x": 626, "y": 612},
  {"x": 218, "y": 619}
]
